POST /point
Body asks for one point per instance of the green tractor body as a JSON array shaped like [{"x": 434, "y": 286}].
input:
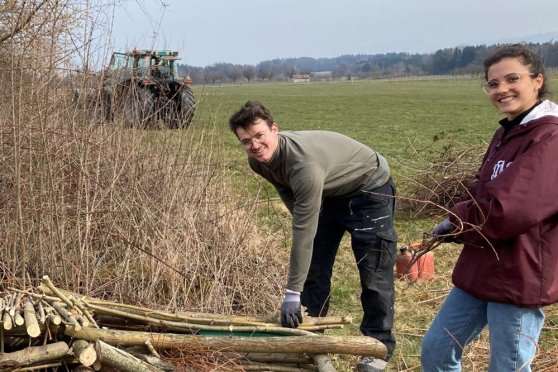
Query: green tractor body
[{"x": 145, "y": 87}]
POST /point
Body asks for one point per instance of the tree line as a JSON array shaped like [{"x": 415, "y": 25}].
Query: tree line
[{"x": 458, "y": 60}]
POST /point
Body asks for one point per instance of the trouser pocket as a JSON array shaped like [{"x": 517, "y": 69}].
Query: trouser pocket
[{"x": 387, "y": 245}]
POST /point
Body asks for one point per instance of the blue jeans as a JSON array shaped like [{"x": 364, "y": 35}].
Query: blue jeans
[
  {"x": 513, "y": 334},
  {"x": 368, "y": 217}
]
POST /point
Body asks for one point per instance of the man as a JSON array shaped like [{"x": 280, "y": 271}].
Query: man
[{"x": 331, "y": 184}]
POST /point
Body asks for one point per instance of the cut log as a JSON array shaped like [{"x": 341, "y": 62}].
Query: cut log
[
  {"x": 34, "y": 354},
  {"x": 7, "y": 323},
  {"x": 41, "y": 311},
  {"x": 279, "y": 358},
  {"x": 10, "y": 308},
  {"x": 352, "y": 345},
  {"x": 31, "y": 323},
  {"x": 17, "y": 305},
  {"x": 144, "y": 354},
  {"x": 309, "y": 323},
  {"x": 255, "y": 366},
  {"x": 120, "y": 360},
  {"x": 84, "y": 312},
  {"x": 149, "y": 346},
  {"x": 18, "y": 319},
  {"x": 323, "y": 363},
  {"x": 56, "y": 291},
  {"x": 83, "y": 321},
  {"x": 84, "y": 352},
  {"x": 66, "y": 315},
  {"x": 54, "y": 319},
  {"x": 183, "y": 327}
]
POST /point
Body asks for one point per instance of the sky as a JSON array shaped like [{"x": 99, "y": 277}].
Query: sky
[{"x": 206, "y": 32}]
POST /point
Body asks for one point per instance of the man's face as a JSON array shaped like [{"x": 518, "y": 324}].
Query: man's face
[{"x": 259, "y": 140}]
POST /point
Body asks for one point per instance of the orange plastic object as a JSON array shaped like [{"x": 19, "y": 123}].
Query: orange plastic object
[{"x": 422, "y": 269}]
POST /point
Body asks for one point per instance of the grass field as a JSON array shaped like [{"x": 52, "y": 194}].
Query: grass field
[{"x": 400, "y": 119}]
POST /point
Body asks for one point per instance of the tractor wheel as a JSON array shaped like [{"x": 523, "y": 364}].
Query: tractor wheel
[
  {"x": 187, "y": 107},
  {"x": 139, "y": 108}
]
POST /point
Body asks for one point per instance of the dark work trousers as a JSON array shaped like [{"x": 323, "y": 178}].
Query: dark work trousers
[{"x": 368, "y": 218}]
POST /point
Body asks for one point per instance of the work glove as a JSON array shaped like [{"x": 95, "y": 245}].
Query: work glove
[
  {"x": 291, "y": 314},
  {"x": 442, "y": 230}
]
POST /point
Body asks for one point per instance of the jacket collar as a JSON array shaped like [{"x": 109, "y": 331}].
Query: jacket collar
[{"x": 512, "y": 128}]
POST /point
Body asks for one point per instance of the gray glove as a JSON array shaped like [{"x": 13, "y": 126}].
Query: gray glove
[
  {"x": 291, "y": 314},
  {"x": 443, "y": 228}
]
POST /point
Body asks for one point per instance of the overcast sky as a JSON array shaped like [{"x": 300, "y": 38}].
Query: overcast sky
[{"x": 250, "y": 31}]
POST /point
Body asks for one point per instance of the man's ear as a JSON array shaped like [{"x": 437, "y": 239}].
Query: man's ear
[{"x": 274, "y": 127}]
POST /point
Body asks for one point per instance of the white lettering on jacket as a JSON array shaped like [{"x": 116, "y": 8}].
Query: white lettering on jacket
[{"x": 499, "y": 168}]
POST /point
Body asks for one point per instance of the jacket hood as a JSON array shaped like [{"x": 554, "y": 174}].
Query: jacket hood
[{"x": 545, "y": 108}]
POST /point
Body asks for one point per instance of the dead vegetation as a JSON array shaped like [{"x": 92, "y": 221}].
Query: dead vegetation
[
  {"x": 436, "y": 176},
  {"x": 148, "y": 218},
  {"x": 54, "y": 327}
]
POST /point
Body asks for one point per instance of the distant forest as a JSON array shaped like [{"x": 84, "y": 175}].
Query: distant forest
[{"x": 459, "y": 60}]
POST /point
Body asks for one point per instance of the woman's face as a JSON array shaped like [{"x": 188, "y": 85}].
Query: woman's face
[{"x": 511, "y": 86}]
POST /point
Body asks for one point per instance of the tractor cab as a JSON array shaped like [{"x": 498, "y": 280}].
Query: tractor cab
[{"x": 159, "y": 64}]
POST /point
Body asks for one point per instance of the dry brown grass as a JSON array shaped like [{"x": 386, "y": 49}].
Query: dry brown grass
[
  {"x": 105, "y": 212},
  {"x": 142, "y": 217}
]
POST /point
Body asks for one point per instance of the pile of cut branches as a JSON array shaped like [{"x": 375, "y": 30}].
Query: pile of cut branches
[
  {"x": 435, "y": 180},
  {"x": 49, "y": 327}
]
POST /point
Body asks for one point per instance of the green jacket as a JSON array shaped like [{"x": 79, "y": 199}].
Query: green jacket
[{"x": 309, "y": 166}]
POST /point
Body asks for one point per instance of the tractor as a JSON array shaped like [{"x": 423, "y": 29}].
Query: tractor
[{"x": 143, "y": 86}]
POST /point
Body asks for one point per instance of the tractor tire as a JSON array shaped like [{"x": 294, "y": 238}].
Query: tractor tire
[
  {"x": 139, "y": 108},
  {"x": 187, "y": 107}
]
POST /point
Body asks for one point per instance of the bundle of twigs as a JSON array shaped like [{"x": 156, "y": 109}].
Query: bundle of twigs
[
  {"x": 57, "y": 327},
  {"x": 435, "y": 181}
]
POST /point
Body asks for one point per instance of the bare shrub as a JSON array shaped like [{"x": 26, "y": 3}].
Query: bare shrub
[
  {"x": 438, "y": 176},
  {"x": 138, "y": 216}
]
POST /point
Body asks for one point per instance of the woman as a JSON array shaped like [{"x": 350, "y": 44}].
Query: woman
[{"x": 508, "y": 223}]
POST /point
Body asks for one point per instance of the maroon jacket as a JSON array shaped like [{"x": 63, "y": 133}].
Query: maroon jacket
[{"x": 510, "y": 220}]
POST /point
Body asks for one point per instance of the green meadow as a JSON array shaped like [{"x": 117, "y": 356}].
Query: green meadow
[
  {"x": 413, "y": 123},
  {"x": 385, "y": 114}
]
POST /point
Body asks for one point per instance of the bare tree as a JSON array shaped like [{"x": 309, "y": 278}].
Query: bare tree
[
  {"x": 16, "y": 16},
  {"x": 234, "y": 72},
  {"x": 249, "y": 72},
  {"x": 265, "y": 70}
]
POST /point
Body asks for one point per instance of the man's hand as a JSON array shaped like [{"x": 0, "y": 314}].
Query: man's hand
[
  {"x": 442, "y": 230},
  {"x": 291, "y": 314}
]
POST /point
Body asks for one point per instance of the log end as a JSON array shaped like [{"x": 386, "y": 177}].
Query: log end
[{"x": 33, "y": 330}]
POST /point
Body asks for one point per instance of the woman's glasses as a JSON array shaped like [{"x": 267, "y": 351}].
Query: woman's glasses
[{"x": 510, "y": 79}]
